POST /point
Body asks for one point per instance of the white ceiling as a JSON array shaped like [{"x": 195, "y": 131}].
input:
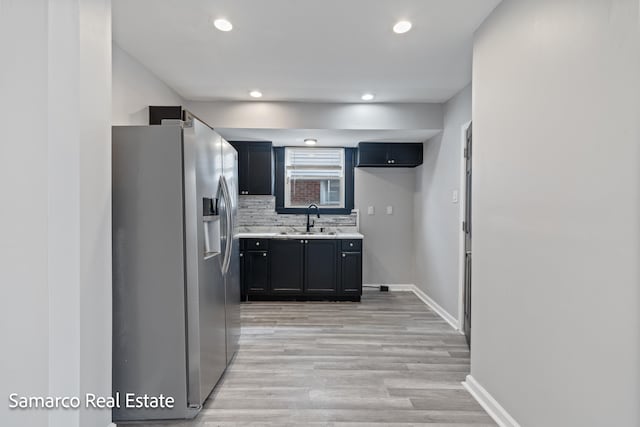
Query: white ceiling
[
  {"x": 325, "y": 137},
  {"x": 304, "y": 50}
]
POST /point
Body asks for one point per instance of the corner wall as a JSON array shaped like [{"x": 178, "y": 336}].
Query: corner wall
[
  {"x": 55, "y": 181},
  {"x": 437, "y": 217},
  {"x": 388, "y": 239},
  {"x": 135, "y": 87},
  {"x": 556, "y": 208}
]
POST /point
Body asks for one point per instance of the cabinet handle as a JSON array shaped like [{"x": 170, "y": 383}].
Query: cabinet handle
[
  {"x": 301, "y": 241},
  {"x": 351, "y": 244},
  {"x": 393, "y": 161},
  {"x": 306, "y": 241},
  {"x": 344, "y": 255},
  {"x": 257, "y": 243},
  {"x": 264, "y": 254},
  {"x": 241, "y": 254}
]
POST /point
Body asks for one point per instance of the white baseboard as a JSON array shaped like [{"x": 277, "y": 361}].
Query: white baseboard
[
  {"x": 429, "y": 302},
  {"x": 493, "y": 408},
  {"x": 400, "y": 287}
]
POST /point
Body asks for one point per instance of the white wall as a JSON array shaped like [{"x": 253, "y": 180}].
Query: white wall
[
  {"x": 135, "y": 87},
  {"x": 389, "y": 239},
  {"x": 437, "y": 218},
  {"x": 556, "y": 295},
  {"x": 55, "y": 178},
  {"x": 303, "y": 115}
]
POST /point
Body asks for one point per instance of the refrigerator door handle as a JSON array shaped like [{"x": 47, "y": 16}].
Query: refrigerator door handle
[{"x": 229, "y": 241}]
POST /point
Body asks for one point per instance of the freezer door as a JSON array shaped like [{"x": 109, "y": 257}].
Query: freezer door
[
  {"x": 206, "y": 322},
  {"x": 148, "y": 269},
  {"x": 232, "y": 275}
]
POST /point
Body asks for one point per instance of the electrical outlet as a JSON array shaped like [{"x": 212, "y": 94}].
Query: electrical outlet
[
  {"x": 454, "y": 196},
  {"x": 371, "y": 210},
  {"x": 389, "y": 210}
]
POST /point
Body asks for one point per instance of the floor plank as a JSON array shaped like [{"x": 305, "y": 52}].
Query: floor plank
[{"x": 388, "y": 360}]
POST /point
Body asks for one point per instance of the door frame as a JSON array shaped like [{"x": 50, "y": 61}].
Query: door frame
[{"x": 462, "y": 200}]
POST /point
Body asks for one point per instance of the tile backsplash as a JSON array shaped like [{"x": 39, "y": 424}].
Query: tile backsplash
[{"x": 260, "y": 211}]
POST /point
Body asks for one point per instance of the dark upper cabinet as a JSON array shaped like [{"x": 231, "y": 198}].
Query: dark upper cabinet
[
  {"x": 321, "y": 269},
  {"x": 351, "y": 272},
  {"x": 255, "y": 167},
  {"x": 286, "y": 265},
  {"x": 158, "y": 113},
  {"x": 405, "y": 154},
  {"x": 389, "y": 154},
  {"x": 370, "y": 153}
]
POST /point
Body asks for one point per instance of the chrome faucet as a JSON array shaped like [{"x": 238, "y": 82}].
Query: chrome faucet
[{"x": 310, "y": 222}]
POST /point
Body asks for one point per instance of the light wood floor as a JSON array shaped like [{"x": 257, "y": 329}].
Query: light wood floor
[{"x": 386, "y": 361}]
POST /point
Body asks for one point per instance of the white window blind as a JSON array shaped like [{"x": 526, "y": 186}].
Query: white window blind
[
  {"x": 312, "y": 163},
  {"x": 314, "y": 175}
]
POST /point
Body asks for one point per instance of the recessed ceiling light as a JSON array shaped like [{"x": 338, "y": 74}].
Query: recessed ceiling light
[
  {"x": 310, "y": 141},
  {"x": 402, "y": 27},
  {"x": 255, "y": 94},
  {"x": 368, "y": 96},
  {"x": 223, "y": 25}
]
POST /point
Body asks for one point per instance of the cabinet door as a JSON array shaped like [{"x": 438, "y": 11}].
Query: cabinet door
[
  {"x": 256, "y": 272},
  {"x": 321, "y": 267},
  {"x": 286, "y": 265},
  {"x": 351, "y": 273},
  {"x": 259, "y": 169},
  {"x": 243, "y": 280},
  {"x": 372, "y": 154},
  {"x": 404, "y": 154},
  {"x": 243, "y": 170}
]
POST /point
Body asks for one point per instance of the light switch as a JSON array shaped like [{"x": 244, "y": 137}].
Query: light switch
[
  {"x": 389, "y": 210},
  {"x": 371, "y": 210},
  {"x": 454, "y": 196}
]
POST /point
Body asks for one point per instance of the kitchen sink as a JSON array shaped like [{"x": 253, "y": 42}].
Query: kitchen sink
[{"x": 307, "y": 233}]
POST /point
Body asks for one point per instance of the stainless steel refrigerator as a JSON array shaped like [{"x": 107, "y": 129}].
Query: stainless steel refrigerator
[{"x": 176, "y": 278}]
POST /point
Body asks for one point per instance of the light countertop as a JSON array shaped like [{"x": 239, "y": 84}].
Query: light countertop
[{"x": 299, "y": 235}]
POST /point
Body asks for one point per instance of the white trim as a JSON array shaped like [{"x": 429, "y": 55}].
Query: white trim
[
  {"x": 437, "y": 308},
  {"x": 429, "y": 302},
  {"x": 400, "y": 287},
  {"x": 463, "y": 201},
  {"x": 489, "y": 404},
  {"x": 112, "y": 425}
]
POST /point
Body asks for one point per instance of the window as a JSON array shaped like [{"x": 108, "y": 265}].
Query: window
[
  {"x": 318, "y": 175},
  {"x": 314, "y": 176}
]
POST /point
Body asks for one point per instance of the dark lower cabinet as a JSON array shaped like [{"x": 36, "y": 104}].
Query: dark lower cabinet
[
  {"x": 351, "y": 272},
  {"x": 286, "y": 266},
  {"x": 256, "y": 271},
  {"x": 310, "y": 269},
  {"x": 243, "y": 281},
  {"x": 321, "y": 268}
]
